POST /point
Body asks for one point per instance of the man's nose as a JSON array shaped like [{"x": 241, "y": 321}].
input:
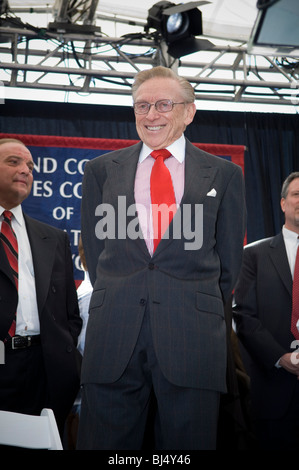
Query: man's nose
[
  {"x": 153, "y": 113},
  {"x": 24, "y": 168}
]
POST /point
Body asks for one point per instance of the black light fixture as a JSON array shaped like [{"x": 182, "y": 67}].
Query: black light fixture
[
  {"x": 275, "y": 31},
  {"x": 178, "y": 25},
  {"x": 4, "y": 7}
]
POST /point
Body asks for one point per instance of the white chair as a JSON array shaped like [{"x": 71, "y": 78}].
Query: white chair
[{"x": 27, "y": 431}]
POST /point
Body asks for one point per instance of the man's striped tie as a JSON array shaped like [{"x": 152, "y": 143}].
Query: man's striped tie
[{"x": 10, "y": 244}]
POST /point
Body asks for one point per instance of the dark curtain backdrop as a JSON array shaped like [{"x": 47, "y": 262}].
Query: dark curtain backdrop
[{"x": 271, "y": 140}]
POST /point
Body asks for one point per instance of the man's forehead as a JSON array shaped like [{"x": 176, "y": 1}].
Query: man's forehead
[
  {"x": 14, "y": 149},
  {"x": 294, "y": 184},
  {"x": 160, "y": 84}
]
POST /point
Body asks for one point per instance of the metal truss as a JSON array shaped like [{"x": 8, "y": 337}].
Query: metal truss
[{"x": 68, "y": 57}]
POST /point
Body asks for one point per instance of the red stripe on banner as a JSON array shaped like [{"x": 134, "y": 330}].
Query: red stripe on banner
[
  {"x": 236, "y": 152},
  {"x": 78, "y": 142}
]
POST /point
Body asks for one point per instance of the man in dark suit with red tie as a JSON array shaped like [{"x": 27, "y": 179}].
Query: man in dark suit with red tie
[
  {"x": 156, "y": 323},
  {"x": 265, "y": 295},
  {"x": 39, "y": 315}
]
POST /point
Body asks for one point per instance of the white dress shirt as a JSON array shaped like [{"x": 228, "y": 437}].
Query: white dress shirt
[
  {"x": 84, "y": 292},
  {"x": 176, "y": 167},
  {"x": 291, "y": 243},
  {"x": 27, "y": 312}
]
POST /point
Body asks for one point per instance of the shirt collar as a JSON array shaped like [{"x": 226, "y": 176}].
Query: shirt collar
[
  {"x": 289, "y": 234},
  {"x": 177, "y": 150},
  {"x": 17, "y": 212}
]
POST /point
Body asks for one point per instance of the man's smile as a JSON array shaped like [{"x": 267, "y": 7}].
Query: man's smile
[{"x": 155, "y": 128}]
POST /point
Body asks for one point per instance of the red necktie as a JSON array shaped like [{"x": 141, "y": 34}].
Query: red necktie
[
  {"x": 295, "y": 308},
  {"x": 162, "y": 192},
  {"x": 10, "y": 244}
]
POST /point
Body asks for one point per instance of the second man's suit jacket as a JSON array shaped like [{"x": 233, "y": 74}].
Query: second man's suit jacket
[
  {"x": 262, "y": 310},
  {"x": 60, "y": 322},
  {"x": 184, "y": 290}
]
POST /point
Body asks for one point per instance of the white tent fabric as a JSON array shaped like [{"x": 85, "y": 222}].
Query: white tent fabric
[{"x": 225, "y": 19}]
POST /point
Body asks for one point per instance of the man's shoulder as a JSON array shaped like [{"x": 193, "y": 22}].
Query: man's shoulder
[
  {"x": 263, "y": 243},
  {"x": 211, "y": 159},
  {"x": 43, "y": 227},
  {"x": 118, "y": 154}
]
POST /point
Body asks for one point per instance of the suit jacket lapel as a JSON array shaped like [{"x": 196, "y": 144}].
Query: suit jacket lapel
[
  {"x": 199, "y": 176},
  {"x": 123, "y": 169},
  {"x": 198, "y": 179},
  {"x": 279, "y": 258},
  {"x": 42, "y": 248}
]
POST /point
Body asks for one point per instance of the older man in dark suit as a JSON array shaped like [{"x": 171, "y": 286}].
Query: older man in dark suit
[
  {"x": 39, "y": 320},
  {"x": 262, "y": 310},
  {"x": 156, "y": 322}
]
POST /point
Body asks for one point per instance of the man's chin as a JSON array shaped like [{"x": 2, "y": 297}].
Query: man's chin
[
  {"x": 21, "y": 196},
  {"x": 296, "y": 222}
]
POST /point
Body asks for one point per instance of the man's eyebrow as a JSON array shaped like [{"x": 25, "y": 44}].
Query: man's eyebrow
[
  {"x": 13, "y": 156},
  {"x": 17, "y": 157}
]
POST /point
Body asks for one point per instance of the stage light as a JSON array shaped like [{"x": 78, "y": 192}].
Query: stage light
[
  {"x": 178, "y": 25},
  {"x": 275, "y": 31}
]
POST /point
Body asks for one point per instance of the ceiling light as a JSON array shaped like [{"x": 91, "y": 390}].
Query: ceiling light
[{"x": 178, "y": 25}]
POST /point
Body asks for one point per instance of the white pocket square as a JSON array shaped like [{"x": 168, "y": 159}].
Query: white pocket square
[{"x": 212, "y": 193}]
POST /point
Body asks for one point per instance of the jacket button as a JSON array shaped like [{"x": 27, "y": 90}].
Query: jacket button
[
  {"x": 142, "y": 302},
  {"x": 151, "y": 266}
]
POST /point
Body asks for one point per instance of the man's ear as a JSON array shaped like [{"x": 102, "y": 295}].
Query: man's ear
[{"x": 191, "y": 110}]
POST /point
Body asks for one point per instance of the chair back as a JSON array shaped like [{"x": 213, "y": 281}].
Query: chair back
[{"x": 28, "y": 431}]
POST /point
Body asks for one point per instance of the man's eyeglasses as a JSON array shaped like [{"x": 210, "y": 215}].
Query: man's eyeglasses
[{"x": 162, "y": 106}]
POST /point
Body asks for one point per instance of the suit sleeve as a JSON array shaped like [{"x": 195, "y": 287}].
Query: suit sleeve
[
  {"x": 74, "y": 319},
  {"x": 255, "y": 337},
  {"x": 231, "y": 226},
  {"x": 91, "y": 198}
]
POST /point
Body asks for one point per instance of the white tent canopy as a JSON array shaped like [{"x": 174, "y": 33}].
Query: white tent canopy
[
  {"x": 226, "y": 19},
  {"x": 226, "y": 77}
]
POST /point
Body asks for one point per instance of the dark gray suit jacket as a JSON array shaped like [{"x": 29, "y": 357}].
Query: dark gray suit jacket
[
  {"x": 262, "y": 310},
  {"x": 184, "y": 289},
  {"x": 60, "y": 322}
]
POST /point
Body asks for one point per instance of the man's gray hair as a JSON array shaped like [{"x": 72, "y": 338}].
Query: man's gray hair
[
  {"x": 287, "y": 182},
  {"x": 164, "y": 72}
]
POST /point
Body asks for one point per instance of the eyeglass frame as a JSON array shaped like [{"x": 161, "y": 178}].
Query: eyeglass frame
[{"x": 155, "y": 104}]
